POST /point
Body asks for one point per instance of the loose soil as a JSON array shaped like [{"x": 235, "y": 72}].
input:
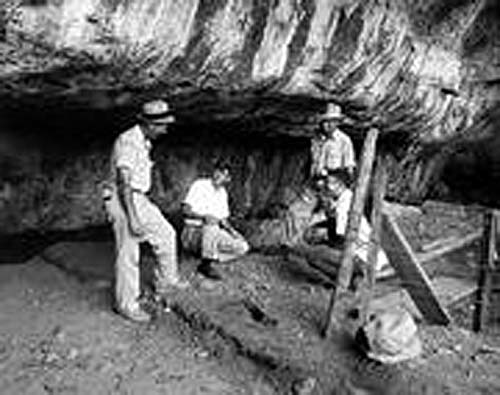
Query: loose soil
[
  {"x": 255, "y": 333},
  {"x": 59, "y": 336}
]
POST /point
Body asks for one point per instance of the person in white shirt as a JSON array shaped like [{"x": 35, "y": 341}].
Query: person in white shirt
[
  {"x": 134, "y": 217},
  {"x": 207, "y": 231},
  {"x": 331, "y": 149},
  {"x": 336, "y": 204}
]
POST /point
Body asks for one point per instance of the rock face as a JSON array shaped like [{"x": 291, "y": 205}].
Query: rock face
[
  {"x": 427, "y": 70},
  {"x": 405, "y": 65}
]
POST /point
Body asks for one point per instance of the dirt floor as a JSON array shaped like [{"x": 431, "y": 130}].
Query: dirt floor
[
  {"x": 59, "y": 336},
  {"x": 256, "y": 333}
]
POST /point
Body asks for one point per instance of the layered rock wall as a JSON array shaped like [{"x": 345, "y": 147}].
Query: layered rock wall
[
  {"x": 405, "y": 66},
  {"x": 425, "y": 70}
]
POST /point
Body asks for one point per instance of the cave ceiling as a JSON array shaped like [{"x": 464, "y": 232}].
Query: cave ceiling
[{"x": 428, "y": 69}]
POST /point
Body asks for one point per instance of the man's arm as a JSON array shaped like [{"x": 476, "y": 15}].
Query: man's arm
[
  {"x": 226, "y": 225},
  {"x": 125, "y": 196},
  {"x": 188, "y": 212}
]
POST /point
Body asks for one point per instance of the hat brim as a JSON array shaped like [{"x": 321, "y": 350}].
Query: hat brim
[
  {"x": 331, "y": 117},
  {"x": 162, "y": 119},
  {"x": 411, "y": 350}
]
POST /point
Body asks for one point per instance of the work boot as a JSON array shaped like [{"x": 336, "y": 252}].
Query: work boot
[{"x": 206, "y": 269}]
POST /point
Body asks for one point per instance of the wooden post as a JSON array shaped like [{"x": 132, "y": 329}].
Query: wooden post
[
  {"x": 340, "y": 295},
  {"x": 379, "y": 188},
  {"x": 486, "y": 266}
]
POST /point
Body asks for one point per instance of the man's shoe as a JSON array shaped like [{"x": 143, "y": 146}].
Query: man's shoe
[
  {"x": 206, "y": 269},
  {"x": 385, "y": 272},
  {"x": 137, "y": 315}
]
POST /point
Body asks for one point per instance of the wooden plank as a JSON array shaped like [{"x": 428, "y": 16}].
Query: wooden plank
[
  {"x": 449, "y": 291},
  {"x": 445, "y": 246},
  {"x": 435, "y": 244},
  {"x": 379, "y": 188},
  {"x": 413, "y": 276},
  {"x": 355, "y": 214},
  {"x": 485, "y": 274}
]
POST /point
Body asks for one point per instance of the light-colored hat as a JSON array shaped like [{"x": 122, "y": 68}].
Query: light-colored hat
[
  {"x": 392, "y": 336},
  {"x": 157, "y": 111},
  {"x": 333, "y": 111}
]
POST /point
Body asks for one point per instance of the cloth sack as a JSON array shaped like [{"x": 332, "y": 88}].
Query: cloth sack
[{"x": 390, "y": 336}]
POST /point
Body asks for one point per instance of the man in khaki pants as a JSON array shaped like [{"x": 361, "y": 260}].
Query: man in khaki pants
[
  {"x": 134, "y": 217},
  {"x": 207, "y": 231}
]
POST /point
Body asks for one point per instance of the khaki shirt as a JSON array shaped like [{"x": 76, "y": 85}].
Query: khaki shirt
[
  {"x": 332, "y": 153},
  {"x": 132, "y": 150}
]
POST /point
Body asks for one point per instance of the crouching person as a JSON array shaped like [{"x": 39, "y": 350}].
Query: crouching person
[
  {"x": 330, "y": 224},
  {"x": 207, "y": 231}
]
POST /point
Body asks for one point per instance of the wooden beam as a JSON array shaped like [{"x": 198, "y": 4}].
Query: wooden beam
[
  {"x": 409, "y": 270},
  {"x": 341, "y": 294},
  {"x": 449, "y": 291},
  {"x": 447, "y": 245},
  {"x": 379, "y": 188},
  {"x": 486, "y": 266}
]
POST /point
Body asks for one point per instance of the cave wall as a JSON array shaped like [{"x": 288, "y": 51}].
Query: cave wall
[
  {"x": 58, "y": 184},
  {"x": 255, "y": 71}
]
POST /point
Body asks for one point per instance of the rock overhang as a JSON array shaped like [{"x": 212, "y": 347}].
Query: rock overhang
[{"x": 403, "y": 67}]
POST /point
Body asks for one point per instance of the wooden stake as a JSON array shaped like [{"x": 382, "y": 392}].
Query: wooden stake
[
  {"x": 379, "y": 188},
  {"x": 341, "y": 294},
  {"x": 486, "y": 266}
]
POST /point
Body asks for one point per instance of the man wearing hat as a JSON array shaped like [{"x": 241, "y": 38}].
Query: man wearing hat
[
  {"x": 331, "y": 149},
  {"x": 134, "y": 217}
]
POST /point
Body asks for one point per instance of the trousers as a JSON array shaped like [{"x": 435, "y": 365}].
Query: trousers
[
  {"x": 158, "y": 232},
  {"x": 213, "y": 242}
]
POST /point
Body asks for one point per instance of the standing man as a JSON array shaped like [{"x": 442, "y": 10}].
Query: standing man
[
  {"x": 207, "y": 231},
  {"x": 331, "y": 149},
  {"x": 135, "y": 218}
]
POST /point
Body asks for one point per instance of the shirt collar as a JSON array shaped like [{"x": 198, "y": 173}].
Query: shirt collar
[{"x": 142, "y": 138}]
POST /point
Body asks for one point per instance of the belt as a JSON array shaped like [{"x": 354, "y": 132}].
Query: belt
[{"x": 194, "y": 223}]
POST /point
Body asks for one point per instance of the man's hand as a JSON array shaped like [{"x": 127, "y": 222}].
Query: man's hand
[
  {"x": 136, "y": 227},
  {"x": 224, "y": 224}
]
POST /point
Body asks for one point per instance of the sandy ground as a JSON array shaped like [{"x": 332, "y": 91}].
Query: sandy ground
[{"x": 58, "y": 336}]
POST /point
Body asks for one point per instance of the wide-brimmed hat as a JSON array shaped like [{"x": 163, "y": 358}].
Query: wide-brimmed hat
[
  {"x": 333, "y": 112},
  {"x": 391, "y": 336},
  {"x": 157, "y": 111}
]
